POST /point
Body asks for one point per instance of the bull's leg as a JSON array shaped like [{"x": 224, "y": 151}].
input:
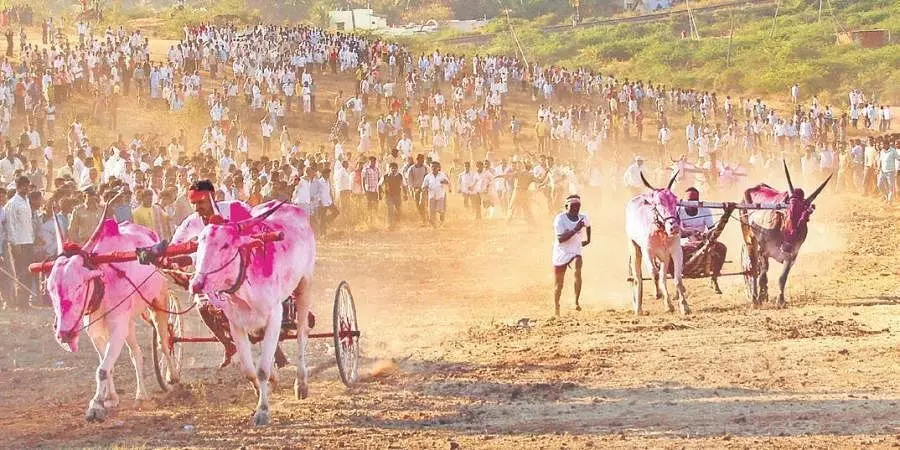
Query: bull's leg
[
  {"x": 245, "y": 354},
  {"x": 654, "y": 271},
  {"x": 106, "y": 396},
  {"x": 137, "y": 360},
  {"x": 266, "y": 365},
  {"x": 660, "y": 278},
  {"x": 680, "y": 291},
  {"x": 763, "y": 290},
  {"x": 302, "y": 297},
  {"x": 782, "y": 281},
  {"x": 637, "y": 278}
]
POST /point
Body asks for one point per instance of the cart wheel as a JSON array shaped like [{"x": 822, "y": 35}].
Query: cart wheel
[
  {"x": 346, "y": 335},
  {"x": 748, "y": 265},
  {"x": 160, "y": 363}
]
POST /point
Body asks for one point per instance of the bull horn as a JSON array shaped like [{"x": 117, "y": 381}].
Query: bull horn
[
  {"x": 247, "y": 223},
  {"x": 92, "y": 240},
  {"x": 812, "y": 197},
  {"x": 788, "y": 175},
  {"x": 672, "y": 181},
  {"x": 60, "y": 237},
  {"x": 646, "y": 183}
]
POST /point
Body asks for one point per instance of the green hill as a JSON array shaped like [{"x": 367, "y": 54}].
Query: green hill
[{"x": 801, "y": 47}]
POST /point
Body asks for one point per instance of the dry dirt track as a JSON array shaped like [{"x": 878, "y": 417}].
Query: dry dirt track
[{"x": 822, "y": 373}]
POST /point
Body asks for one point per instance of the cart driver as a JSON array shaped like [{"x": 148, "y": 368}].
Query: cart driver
[
  {"x": 696, "y": 222},
  {"x": 201, "y": 195}
]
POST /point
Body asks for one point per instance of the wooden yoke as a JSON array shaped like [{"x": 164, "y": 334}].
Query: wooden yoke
[{"x": 175, "y": 250}]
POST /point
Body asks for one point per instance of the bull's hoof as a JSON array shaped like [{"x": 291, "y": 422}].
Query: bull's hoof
[
  {"x": 685, "y": 310},
  {"x": 260, "y": 418},
  {"x": 658, "y": 296},
  {"x": 95, "y": 413}
]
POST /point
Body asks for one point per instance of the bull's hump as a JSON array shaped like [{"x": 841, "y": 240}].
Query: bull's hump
[{"x": 763, "y": 193}]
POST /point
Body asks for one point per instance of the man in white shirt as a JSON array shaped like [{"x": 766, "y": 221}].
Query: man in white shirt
[
  {"x": 434, "y": 184},
  {"x": 8, "y": 167},
  {"x": 342, "y": 183},
  {"x": 20, "y": 234},
  {"x": 405, "y": 146},
  {"x": 632, "y": 177},
  {"x": 267, "y": 129},
  {"x": 302, "y": 196},
  {"x": 573, "y": 233},
  {"x": 326, "y": 211},
  {"x": 467, "y": 185}
]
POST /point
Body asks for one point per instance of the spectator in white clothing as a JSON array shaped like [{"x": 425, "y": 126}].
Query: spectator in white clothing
[{"x": 20, "y": 233}]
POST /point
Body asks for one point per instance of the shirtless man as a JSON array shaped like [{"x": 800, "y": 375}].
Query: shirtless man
[{"x": 573, "y": 233}]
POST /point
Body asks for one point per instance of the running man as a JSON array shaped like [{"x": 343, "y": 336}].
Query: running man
[{"x": 573, "y": 233}]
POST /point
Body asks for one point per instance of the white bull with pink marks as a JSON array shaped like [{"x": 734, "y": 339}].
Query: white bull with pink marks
[
  {"x": 249, "y": 279},
  {"x": 104, "y": 300},
  {"x": 654, "y": 232}
]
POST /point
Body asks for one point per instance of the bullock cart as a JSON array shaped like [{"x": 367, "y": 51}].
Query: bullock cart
[
  {"x": 698, "y": 264},
  {"x": 345, "y": 330}
]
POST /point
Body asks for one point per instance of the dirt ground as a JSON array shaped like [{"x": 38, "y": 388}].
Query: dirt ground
[{"x": 445, "y": 363}]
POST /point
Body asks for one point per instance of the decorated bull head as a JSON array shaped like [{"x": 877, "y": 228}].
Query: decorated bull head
[
  {"x": 800, "y": 208},
  {"x": 665, "y": 205},
  {"x": 219, "y": 259},
  {"x": 71, "y": 285}
]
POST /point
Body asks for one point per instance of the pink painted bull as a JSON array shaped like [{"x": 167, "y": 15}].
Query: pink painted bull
[
  {"x": 190, "y": 228},
  {"x": 104, "y": 301},
  {"x": 248, "y": 280},
  {"x": 777, "y": 234},
  {"x": 654, "y": 231}
]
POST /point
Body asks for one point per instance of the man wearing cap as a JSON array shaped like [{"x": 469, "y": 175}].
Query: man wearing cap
[
  {"x": 573, "y": 232},
  {"x": 695, "y": 225}
]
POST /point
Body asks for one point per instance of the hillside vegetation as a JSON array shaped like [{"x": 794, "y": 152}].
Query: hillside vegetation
[{"x": 801, "y": 49}]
